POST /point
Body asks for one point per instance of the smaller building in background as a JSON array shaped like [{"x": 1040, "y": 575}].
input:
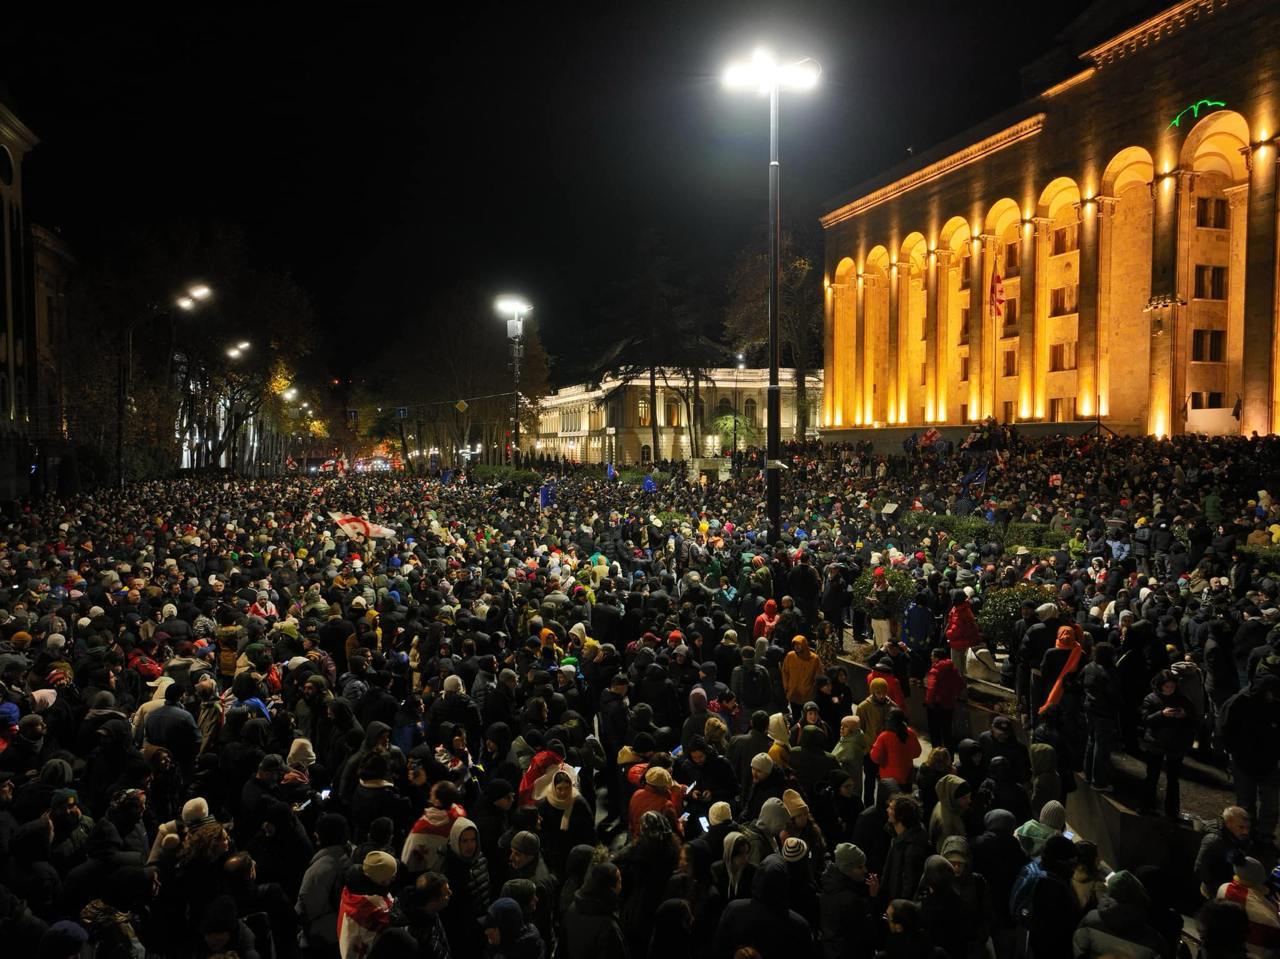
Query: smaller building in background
[{"x": 613, "y": 421}]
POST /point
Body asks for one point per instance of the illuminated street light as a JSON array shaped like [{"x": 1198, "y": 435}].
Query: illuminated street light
[
  {"x": 243, "y": 345},
  {"x": 290, "y": 393},
  {"x": 199, "y": 292},
  {"x": 514, "y": 307},
  {"x": 765, "y": 75},
  {"x": 234, "y": 353},
  {"x": 185, "y": 303}
]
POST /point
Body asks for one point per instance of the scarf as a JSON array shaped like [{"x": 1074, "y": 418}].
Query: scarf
[
  {"x": 1066, "y": 640},
  {"x": 565, "y": 806}
]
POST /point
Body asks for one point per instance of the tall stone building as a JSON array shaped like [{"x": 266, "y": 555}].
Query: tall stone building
[{"x": 1106, "y": 248}]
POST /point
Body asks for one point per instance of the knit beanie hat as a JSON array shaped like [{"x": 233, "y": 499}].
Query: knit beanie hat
[
  {"x": 453, "y": 683},
  {"x": 773, "y": 816},
  {"x": 794, "y": 849},
  {"x": 780, "y": 753},
  {"x": 657, "y": 776},
  {"x": 526, "y": 843},
  {"x": 762, "y": 764},
  {"x": 1251, "y": 872},
  {"x": 879, "y": 685},
  {"x": 849, "y": 857},
  {"x": 1125, "y": 887},
  {"x": 64, "y": 938},
  {"x": 720, "y": 812},
  {"x": 794, "y": 803},
  {"x": 380, "y": 867},
  {"x": 1053, "y": 815},
  {"x": 194, "y": 810},
  {"x": 1057, "y": 851}
]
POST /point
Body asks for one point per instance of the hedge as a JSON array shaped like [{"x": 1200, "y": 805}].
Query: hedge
[
  {"x": 1265, "y": 558},
  {"x": 506, "y": 474},
  {"x": 1001, "y": 609},
  {"x": 964, "y": 529},
  {"x": 905, "y": 589}
]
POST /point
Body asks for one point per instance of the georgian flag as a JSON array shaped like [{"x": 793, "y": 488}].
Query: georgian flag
[
  {"x": 930, "y": 437},
  {"x": 357, "y": 527},
  {"x": 997, "y": 294}
]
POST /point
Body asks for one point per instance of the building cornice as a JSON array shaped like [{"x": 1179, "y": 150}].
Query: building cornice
[
  {"x": 11, "y": 128},
  {"x": 1068, "y": 83},
  {"x": 948, "y": 164},
  {"x": 1151, "y": 31}
]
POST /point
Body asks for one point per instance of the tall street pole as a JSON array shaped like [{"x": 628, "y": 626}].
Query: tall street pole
[{"x": 773, "y": 452}]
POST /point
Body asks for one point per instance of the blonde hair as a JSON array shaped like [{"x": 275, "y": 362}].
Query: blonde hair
[{"x": 939, "y": 759}]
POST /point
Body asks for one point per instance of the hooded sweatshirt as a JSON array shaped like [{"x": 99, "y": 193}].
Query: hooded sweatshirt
[
  {"x": 800, "y": 671},
  {"x": 946, "y": 820}
]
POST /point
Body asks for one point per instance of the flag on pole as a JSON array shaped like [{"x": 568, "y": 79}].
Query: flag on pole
[
  {"x": 649, "y": 486},
  {"x": 611, "y": 473},
  {"x": 977, "y": 477},
  {"x": 357, "y": 527},
  {"x": 930, "y": 437},
  {"x": 997, "y": 294},
  {"x": 547, "y": 495}
]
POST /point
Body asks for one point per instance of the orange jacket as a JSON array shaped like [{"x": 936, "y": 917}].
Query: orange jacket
[{"x": 800, "y": 671}]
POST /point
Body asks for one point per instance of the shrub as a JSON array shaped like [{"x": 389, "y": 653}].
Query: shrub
[
  {"x": 1265, "y": 558},
  {"x": 1030, "y": 534},
  {"x": 1000, "y": 609},
  {"x": 1055, "y": 537},
  {"x": 904, "y": 588},
  {"x": 490, "y": 473},
  {"x": 966, "y": 529}
]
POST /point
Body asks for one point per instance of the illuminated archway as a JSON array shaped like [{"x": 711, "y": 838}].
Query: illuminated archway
[
  {"x": 954, "y": 246},
  {"x": 1057, "y": 307},
  {"x": 1000, "y": 343}
]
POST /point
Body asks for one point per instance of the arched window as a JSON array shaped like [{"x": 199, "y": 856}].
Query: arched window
[
  {"x": 724, "y": 407},
  {"x": 646, "y": 454},
  {"x": 642, "y": 408},
  {"x": 749, "y": 411},
  {"x": 673, "y": 412}
]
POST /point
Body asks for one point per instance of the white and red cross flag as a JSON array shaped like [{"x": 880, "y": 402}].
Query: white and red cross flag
[{"x": 357, "y": 527}]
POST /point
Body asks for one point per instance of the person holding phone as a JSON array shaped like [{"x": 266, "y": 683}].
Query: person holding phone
[{"x": 1169, "y": 720}]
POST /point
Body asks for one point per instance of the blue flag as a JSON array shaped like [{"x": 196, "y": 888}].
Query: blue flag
[
  {"x": 977, "y": 476},
  {"x": 610, "y": 472},
  {"x": 446, "y": 477},
  {"x": 547, "y": 495},
  {"x": 649, "y": 485}
]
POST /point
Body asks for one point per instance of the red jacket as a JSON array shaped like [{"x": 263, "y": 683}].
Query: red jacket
[
  {"x": 943, "y": 685},
  {"x": 895, "y": 757},
  {"x": 962, "y": 628}
]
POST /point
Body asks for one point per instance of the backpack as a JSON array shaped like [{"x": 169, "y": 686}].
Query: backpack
[{"x": 1022, "y": 895}]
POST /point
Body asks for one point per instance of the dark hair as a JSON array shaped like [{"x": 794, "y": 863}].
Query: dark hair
[
  {"x": 332, "y": 829},
  {"x": 431, "y": 885},
  {"x": 1223, "y": 928},
  {"x": 907, "y": 914},
  {"x": 601, "y": 878},
  {"x": 446, "y": 793},
  {"x": 897, "y": 724},
  {"x": 906, "y": 810},
  {"x": 373, "y": 766},
  {"x": 760, "y": 721},
  {"x": 1104, "y": 654}
]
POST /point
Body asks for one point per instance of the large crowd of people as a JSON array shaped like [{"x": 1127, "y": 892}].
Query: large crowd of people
[{"x": 610, "y": 722}]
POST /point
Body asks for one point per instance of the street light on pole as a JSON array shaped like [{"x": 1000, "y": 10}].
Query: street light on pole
[
  {"x": 766, "y": 76},
  {"x": 733, "y": 460},
  {"x": 514, "y": 307},
  {"x": 188, "y": 300}
]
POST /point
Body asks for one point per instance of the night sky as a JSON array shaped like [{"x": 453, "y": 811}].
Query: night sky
[{"x": 382, "y": 156}]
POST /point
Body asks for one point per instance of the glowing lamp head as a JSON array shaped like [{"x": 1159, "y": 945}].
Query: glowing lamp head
[
  {"x": 199, "y": 292},
  {"x": 242, "y": 345},
  {"x": 233, "y": 353},
  {"x": 509, "y": 305},
  {"x": 185, "y": 303},
  {"x": 762, "y": 73}
]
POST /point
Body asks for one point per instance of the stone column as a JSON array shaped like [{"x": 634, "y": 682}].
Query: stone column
[
  {"x": 832, "y": 368},
  {"x": 1042, "y": 235},
  {"x": 1167, "y": 193},
  {"x": 1238, "y": 208},
  {"x": 933, "y": 271},
  {"x": 890, "y": 386},
  {"x": 862, "y": 398},
  {"x": 1087, "y": 309},
  {"x": 977, "y": 325},
  {"x": 1026, "y": 320},
  {"x": 1259, "y": 291},
  {"x": 1106, "y": 238}
]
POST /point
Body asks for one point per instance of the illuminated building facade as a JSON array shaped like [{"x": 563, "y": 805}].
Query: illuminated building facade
[
  {"x": 612, "y": 421},
  {"x": 1104, "y": 249}
]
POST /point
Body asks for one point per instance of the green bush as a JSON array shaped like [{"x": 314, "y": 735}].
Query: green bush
[
  {"x": 636, "y": 476},
  {"x": 506, "y": 474},
  {"x": 667, "y": 517},
  {"x": 1031, "y": 534},
  {"x": 1001, "y": 609},
  {"x": 904, "y": 588},
  {"x": 1055, "y": 537},
  {"x": 1265, "y": 558}
]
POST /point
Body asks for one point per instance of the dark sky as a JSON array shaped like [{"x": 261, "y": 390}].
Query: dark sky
[{"x": 383, "y": 156}]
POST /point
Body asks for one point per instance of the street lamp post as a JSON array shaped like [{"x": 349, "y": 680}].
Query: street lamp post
[
  {"x": 515, "y": 307},
  {"x": 195, "y": 295},
  {"x": 733, "y": 460},
  {"x": 768, "y": 77}
]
